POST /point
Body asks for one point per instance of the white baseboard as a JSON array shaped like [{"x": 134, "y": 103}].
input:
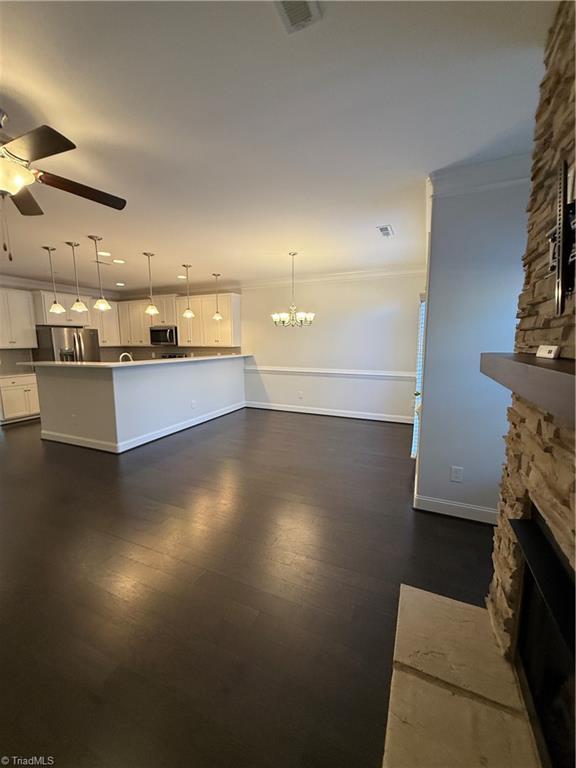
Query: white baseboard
[
  {"x": 456, "y": 509},
  {"x": 331, "y": 412},
  {"x": 83, "y": 442},
  {"x": 126, "y": 445}
]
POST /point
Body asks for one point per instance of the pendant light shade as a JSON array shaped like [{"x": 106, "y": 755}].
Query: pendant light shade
[
  {"x": 101, "y": 303},
  {"x": 188, "y": 314},
  {"x": 293, "y": 318},
  {"x": 78, "y": 305},
  {"x": 151, "y": 309},
  {"x": 56, "y": 308},
  {"x": 217, "y": 316}
]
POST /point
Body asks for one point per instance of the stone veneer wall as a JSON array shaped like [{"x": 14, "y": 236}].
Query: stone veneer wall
[{"x": 539, "y": 452}]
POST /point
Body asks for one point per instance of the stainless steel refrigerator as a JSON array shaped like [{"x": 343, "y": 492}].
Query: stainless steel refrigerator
[{"x": 67, "y": 344}]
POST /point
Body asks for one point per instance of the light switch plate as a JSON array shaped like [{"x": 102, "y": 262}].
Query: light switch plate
[{"x": 548, "y": 350}]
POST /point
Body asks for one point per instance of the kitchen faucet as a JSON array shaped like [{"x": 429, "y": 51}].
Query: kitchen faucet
[{"x": 125, "y": 356}]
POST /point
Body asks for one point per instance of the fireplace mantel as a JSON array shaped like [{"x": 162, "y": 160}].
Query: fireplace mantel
[{"x": 548, "y": 384}]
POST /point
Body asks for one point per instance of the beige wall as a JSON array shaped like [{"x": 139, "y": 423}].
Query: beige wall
[{"x": 358, "y": 357}]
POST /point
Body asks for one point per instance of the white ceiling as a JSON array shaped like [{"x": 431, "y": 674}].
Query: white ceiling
[{"x": 235, "y": 143}]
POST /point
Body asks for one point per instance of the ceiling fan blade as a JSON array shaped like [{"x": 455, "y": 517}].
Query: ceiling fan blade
[
  {"x": 81, "y": 190},
  {"x": 41, "y": 142},
  {"x": 26, "y": 204}
]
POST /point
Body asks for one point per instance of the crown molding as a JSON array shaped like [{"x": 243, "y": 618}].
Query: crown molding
[
  {"x": 29, "y": 284},
  {"x": 477, "y": 177},
  {"x": 337, "y": 277}
]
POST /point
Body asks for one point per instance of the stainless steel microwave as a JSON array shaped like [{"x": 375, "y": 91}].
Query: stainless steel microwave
[{"x": 164, "y": 335}]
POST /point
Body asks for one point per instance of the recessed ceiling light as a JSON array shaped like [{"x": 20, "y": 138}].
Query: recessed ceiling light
[
  {"x": 121, "y": 284},
  {"x": 104, "y": 253},
  {"x": 117, "y": 261},
  {"x": 181, "y": 277}
]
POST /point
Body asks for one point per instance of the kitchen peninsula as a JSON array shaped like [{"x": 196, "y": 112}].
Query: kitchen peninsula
[{"x": 118, "y": 406}]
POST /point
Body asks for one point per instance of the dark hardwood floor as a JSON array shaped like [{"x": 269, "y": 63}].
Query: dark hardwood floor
[{"x": 225, "y": 596}]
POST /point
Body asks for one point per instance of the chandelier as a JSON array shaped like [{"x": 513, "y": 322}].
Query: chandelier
[{"x": 293, "y": 318}]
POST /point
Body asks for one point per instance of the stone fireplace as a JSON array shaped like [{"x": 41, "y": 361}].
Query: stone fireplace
[{"x": 538, "y": 477}]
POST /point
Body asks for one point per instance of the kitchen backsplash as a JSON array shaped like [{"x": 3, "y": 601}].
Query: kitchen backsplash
[{"x": 9, "y": 359}]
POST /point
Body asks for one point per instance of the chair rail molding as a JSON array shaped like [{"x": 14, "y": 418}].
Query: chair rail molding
[{"x": 343, "y": 373}]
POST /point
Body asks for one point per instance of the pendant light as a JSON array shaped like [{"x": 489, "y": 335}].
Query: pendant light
[
  {"x": 188, "y": 314},
  {"x": 56, "y": 308},
  {"x": 101, "y": 302},
  {"x": 78, "y": 305},
  {"x": 292, "y": 318},
  {"x": 151, "y": 309},
  {"x": 217, "y": 315}
]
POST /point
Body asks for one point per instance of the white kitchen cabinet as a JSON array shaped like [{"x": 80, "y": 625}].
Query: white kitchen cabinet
[
  {"x": 124, "y": 323},
  {"x": 201, "y": 331},
  {"x": 43, "y": 300},
  {"x": 189, "y": 330},
  {"x": 139, "y": 324},
  {"x": 167, "y": 309},
  {"x": 18, "y": 398},
  {"x": 134, "y": 323},
  {"x": 225, "y": 332},
  {"x": 17, "y": 326},
  {"x": 108, "y": 326}
]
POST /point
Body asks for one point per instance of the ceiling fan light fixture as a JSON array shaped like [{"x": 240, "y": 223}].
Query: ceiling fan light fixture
[{"x": 14, "y": 176}]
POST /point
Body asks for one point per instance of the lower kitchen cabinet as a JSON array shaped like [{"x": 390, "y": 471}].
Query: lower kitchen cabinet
[{"x": 18, "y": 398}]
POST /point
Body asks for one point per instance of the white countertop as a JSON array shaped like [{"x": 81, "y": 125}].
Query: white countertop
[{"x": 132, "y": 364}]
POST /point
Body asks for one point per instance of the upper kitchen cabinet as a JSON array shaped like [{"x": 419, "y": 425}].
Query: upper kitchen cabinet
[
  {"x": 17, "y": 325},
  {"x": 134, "y": 323},
  {"x": 225, "y": 332},
  {"x": 43, "y": 300},
  {"x": 108, "y": 326},
  {"x": 189, "y": 330},
  {"x": 167, "y": 308}
]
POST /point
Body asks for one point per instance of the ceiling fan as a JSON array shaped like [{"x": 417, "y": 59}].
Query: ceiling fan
[{"x": 16, "y": 173}]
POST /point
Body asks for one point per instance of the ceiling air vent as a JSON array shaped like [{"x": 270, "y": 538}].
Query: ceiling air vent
[
  {"x": 386, "y": 230},
  {"x": 297, "y": 15}
]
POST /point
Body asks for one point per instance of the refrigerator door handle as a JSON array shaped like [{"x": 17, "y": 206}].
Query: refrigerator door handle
[
  {"x": 75, "y": 342},
  {"x": 81, "y": 347}
]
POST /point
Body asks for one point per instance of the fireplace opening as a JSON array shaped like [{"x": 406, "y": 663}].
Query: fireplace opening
[{"x": 545, "y": 640}]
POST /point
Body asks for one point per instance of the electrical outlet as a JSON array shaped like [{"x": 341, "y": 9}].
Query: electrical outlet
[
  {"x": 300, "y": 394},
  {"x": 193, "y": 404},
  {"x": 456, "y": 474}
]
